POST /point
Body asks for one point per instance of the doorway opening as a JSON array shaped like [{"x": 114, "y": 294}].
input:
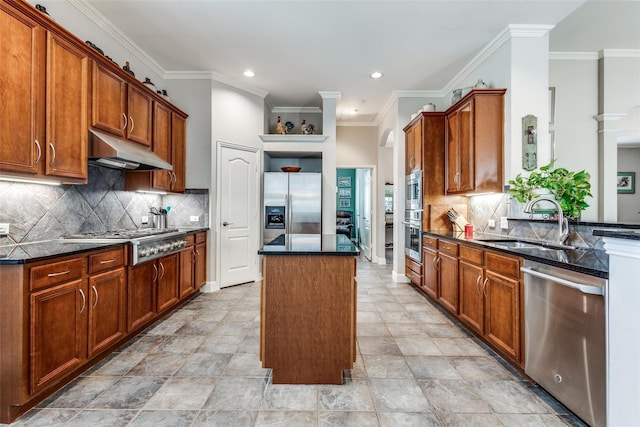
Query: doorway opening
[{"x": 354, "y": 207}]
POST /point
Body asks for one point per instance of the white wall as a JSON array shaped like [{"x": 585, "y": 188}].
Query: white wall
[
  {"x": 629, "y": 204},
  {"x": 576, "y": 130}
]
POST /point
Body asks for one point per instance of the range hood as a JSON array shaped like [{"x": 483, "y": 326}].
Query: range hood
[{"x": 117, "y": 153}]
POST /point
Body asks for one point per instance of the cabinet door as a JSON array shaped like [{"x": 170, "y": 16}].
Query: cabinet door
[
  {"x": 502, "y": 313},
  {"x": 67, "y": 109},
  {"x": 167, "y": 283},
  {"x": 409, "y": 161},
  {"x": 162, "y": 180},
  {"x": 141, "y": 294},
  {"x": 452, "y": 154},
  {"x": 108, "y": 101},
  {"x": 107, "y": 301},
  {"x": 22, "y": 86},
  {"x": 57, "y": 332},
  {"x": 430, "y": 272},
  {"x": 417, "y": 145},
  {"x": 178, "y": 157},
  {"x": 187, "y": 273},
  {"x": 448, "y": 275},
  {"x": 466, "y": 180},
  {"x": 201, "y": 265},
  {"x": 471, "y": 298},
  {"x": 139, "y": 109}
]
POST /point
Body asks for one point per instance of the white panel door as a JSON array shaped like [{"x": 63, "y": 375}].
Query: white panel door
[{"x": 238, "y": 216}]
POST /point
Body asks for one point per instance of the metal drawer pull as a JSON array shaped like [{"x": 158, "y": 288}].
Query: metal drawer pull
[
  {"x": 585, "y": 289},
  {"x": 162, "y": 274},
  {"x": 62, "y": 273},
  {"x": 84, "y": 300},
  {"x": 96, "y": 302},
  {"x": 108, "y": 261},
  {"x": 53, "y": 157},
  {"x": 39, "y": 151}
]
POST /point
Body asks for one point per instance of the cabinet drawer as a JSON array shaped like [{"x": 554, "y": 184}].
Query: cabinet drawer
[
  {"x": 201, "y": 237},
  {"x": 448, "y": 248},
  {"x": 473, "y": 255},
  {"x": 414, "y": 277},
  {"x": 429, "y": 242},
  {"x": 414, "y": 266},
  {"x": 502, "y": 264},
  {"x": 190, "y": 238},
  {"x": 57, "y": 272},
  {"x": 106, "y": 260}
]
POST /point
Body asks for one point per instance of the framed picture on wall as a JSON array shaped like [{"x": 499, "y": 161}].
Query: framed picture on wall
[
  {"x": 626, "y": 182},
  {"x": 344, "y": 193},
  {"x": 344, "y": 181},
  {"x": 345, "y": 203}
]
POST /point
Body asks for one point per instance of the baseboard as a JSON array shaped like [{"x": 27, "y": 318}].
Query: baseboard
[{"x": 210, "y": 287}]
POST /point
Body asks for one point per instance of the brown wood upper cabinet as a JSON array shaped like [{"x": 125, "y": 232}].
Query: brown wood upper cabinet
[
  {"x": 119, "y": 108},
  {"x": 413, "y": 149},
  {"x": 474, "y": 143},
  {"x": 45, "y": 93}
]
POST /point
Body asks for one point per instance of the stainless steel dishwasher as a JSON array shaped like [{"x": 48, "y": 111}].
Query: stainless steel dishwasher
[{"x": 565, "y": 337}]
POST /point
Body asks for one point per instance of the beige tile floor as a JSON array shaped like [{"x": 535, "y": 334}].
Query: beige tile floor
[{"x": 200, "y": 367}]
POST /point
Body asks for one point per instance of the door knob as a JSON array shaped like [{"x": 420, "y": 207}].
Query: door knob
[{"x": 227, "y": 223}]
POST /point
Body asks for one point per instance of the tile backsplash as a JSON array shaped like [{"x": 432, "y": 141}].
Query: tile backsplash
[{"x": 38, "y": 212}]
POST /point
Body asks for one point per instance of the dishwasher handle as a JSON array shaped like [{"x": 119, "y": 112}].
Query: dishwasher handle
[{"x": 585, "y": 289}]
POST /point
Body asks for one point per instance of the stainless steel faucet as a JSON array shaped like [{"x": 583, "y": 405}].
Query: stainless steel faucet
[{"x": 563, "y": 224}]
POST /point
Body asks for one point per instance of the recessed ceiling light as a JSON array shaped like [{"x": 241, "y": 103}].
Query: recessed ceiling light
[
  {"x": 249, "y": 73},
  {"x": 376, "y": 75}
]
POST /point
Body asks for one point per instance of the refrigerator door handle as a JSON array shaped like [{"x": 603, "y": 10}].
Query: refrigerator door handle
[{"x": 287, "y": 204}]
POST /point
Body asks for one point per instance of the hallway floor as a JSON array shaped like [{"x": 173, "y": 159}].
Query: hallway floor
[{"x": 200, "y": 367}]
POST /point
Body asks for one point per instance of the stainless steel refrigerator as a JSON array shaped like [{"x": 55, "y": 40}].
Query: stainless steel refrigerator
[{"x": 292, "y": 204}]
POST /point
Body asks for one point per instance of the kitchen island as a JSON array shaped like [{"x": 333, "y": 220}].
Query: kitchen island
[{"x": 308, "y": 308}]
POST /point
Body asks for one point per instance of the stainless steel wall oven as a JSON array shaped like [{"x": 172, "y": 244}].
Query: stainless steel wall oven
[
  {"x": 414, "y": 191},
  {"x": 413, "y": 234}
]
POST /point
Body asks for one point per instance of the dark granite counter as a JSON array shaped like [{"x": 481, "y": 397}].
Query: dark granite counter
[
  {"x": 37, "y": 251},
  {"x": 310, "y": 244},
  {"x": 619, "y": 234},
  {"x": 588, "y": 261},
  {"x": 23, "y": 253}
]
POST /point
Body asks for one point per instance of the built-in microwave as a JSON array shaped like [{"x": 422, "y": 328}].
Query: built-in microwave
[{"x": 413, "y": 191}]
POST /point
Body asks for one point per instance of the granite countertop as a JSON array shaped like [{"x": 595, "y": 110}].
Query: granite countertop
[
  {"x": 620, "y": 234},
  {"x": 36, "y": 251},
  {"x": 22, "y": 253},
  {"x": 310, "y": 244},
  {"x": 588, "y": 261}
]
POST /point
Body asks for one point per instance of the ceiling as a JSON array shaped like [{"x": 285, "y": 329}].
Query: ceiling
[{"x": 298, "y": 48}]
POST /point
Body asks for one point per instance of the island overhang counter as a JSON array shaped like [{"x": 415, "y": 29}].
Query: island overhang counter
[{"x": 308, "y": 308}]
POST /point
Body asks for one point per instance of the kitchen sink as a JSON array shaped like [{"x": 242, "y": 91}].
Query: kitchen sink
[{"x": 522, "y": 244}]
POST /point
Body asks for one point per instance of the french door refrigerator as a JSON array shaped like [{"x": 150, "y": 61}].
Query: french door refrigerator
[{"x": 292, "y": 204}]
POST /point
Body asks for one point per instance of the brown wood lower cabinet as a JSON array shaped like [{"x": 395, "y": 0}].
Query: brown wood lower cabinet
[
  {"x": 141, "y": 295},
  {"x": 107, "y": 304},
  {"x": 482, "y": 287},
  {"x": 167, "y": 292}
]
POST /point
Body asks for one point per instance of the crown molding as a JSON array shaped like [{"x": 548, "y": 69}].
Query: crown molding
[
  {"x": 419, "y": 93},
  {"x": 330, "y": 94},
  {"x": 356, "y": 124},
  {"x": 109, "y": 27},
  {"x": 301, "y": 110},
  {"x": 573, "y": 56}
]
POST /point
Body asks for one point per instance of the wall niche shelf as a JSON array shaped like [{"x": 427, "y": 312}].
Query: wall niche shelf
[{"x": 293, "y": 138}]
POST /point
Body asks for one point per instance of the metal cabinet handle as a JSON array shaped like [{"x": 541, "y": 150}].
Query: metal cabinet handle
[
  {"x": 126, "y": 122},
  {"x": 175, "y": 178},
  {"x": 108, "y": 261},
  {"x": 478, "y": 283},
  {"x": 61, "y": 273},
  {"x": 96, "y": 302},
  {"x": 132, "y": 125},
  {"x": 156, "y": 271},
  {"x": 194, "y": 257},
  {"x": 585, "y": 289},
  {"x": 161, "y": 274},
  {"x": 434, "y": 261},
  {"x": 438, "y": 264},
  {"x": 84, "y": 300},
  {"x": 484, "y": 287},
  {"x": 53, "y": 152},
  {"x": 39, "y": 151}
]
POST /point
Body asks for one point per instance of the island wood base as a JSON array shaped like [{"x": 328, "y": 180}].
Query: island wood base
[{"x": 308, "y": 318}]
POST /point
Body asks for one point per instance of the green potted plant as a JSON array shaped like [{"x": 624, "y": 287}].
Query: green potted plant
[{"x": 570, "y": 189}]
